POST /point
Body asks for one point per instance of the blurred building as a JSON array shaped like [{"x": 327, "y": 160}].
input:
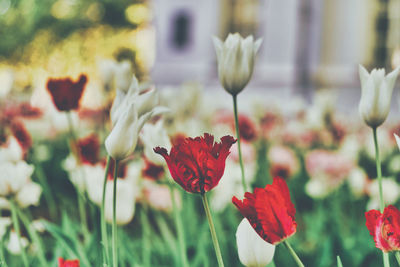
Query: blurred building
[{"x": 306, "y": 43}]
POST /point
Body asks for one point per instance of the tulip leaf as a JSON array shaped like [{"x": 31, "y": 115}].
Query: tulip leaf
[{"x": 339, "y": 262}]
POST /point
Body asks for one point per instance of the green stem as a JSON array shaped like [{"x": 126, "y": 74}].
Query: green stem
[
  {"x": 48, "y": 195},
  {"x": 179, "y": 228},
  {"x": 104, "y": 235},
  {"x": 2, "y": 258},
  {"x": 386, "y": 262},
  {"x": 238, "y": 141},
  {"x": 80, "y": 196},
  {"x": 293, "y": 253},
  {"x": 114, "y": 221},
  {"x": 146, "y": 251},
  {"x": 212, "y": 230},
  {"x": 378, "y": 170},
  {"x": 34, "y": 236},
  {"x": 17, "y": 229},
  {"x": 397, "y": 254}
]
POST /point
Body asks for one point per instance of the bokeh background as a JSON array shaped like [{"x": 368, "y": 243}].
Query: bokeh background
[{"x": 303, "y": 97}]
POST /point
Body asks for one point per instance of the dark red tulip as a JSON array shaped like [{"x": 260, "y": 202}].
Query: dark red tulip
[
  {"x": 89, "y": 149},
  {"x": 197, "y": 164},
  {"x": 65, "y": 93}
]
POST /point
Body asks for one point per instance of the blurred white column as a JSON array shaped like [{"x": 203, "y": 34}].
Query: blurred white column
[
  {"x": 184, "y": 48},
  {"x": 346, "y": 38},
  {"x": 276, "y": 60}
]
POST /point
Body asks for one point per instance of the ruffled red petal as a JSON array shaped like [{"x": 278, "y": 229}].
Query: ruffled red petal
[{"x": 197, "y": 164}]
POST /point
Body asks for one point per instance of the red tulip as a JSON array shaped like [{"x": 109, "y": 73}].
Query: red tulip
[
  {"x": 66, "y": 94},
  {"x": 197, "y": 164},
  {"x": 385, "y": 228},
  {"x": 269, "y": 211},
  {"x": 67, "y": 263}
]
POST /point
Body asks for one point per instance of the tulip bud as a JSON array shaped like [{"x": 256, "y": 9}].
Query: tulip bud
[
  {"x": 235, "y": 61},
  {"x": 253, "y": 250},
  {"x": 122, "y": 140},
  {"x": 376, "y": 94}
]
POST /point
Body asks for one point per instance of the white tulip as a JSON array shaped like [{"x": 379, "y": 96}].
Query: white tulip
[
  {"x": 236, "y": 58},
  {"x": 376, "y": 94},
  {"x": 13, "y": 245},
  {"x": 29, "y": 195},
  {"x": 123, "y": 75},
  {"x": 12, "y": 151},
  {"x": 5, "y": 222},
  {"x": 122, "y": 140},
  {"x": 14, "y": 176},
  {"x": 128, "y": 114},
  {"x": 125, "y": 202},
  {"x": 252, "y": 249},
  {"x": 153, "y": 135},
  {"x": 94, "y": 176}
]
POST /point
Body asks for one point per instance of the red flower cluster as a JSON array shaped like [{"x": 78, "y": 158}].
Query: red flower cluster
[
  {"x": 269, "y": 211},
  {"x": 89, "y": 149},
  {"x": 385, "y": 228},
  {"x": 197, "y": 164},
  {"x": 65, "y": 93},
  {"x": 67, "y": 263},
  {"x": 11, "y": 120}
]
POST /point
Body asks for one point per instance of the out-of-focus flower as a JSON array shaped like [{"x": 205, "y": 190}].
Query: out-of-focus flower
[
  {"x": 13, "y": 245},
  {"x": 389, "y": 186},
  {"x": 249, "y": 153},
  {"x": 11, "y": 150},
  {"x": 159, "y": 196},
  {"x": 384, "y": 228},
  {"x": 126, "y": 200},
  {"x": 5, "y": 222},
  {"x": 152, "y": 171},
  {"x": 198, "y": 163},
  {"x": 376, "y": 94},
  {"x": 358, "y": 181},
  {"x": 67, "y": 263},
  {"x": 327, "y": 170},
  {"x": 94, "y": 176},
  {"x": 65, "y": 93},
  {"x": 269, "y": 211},
  {"x": 89, "y": 149},
  {"x": 153, "y": 135},
  {"x": 252, "y": 249},
  {"x": 189, "y": 95},
  {"x": 123, "y": 75},
  {"x": 283, "y": 162},
  {"x": 394, "y": 164},
  {"x": 235, "y": 58},
  {"x": 19, "y": 131},
  {"x": 29, "y": 195},
  {"x": 15, "y": 180},
  {"x": 106, "y": 68},
  {"x": 14, "y": 176},
  {"x": 247, "y": 128}
]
